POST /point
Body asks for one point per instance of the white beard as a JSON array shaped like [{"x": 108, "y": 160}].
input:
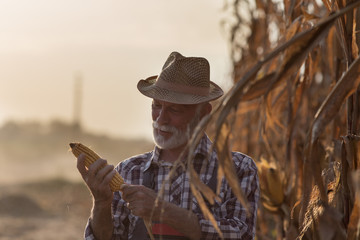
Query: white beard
[{"x": 178, "y": 137}]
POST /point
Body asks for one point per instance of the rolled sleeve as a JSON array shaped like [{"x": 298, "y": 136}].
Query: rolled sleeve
[
  {"x": 88, "y": 234},
  {"x": 120, "y": 220}
]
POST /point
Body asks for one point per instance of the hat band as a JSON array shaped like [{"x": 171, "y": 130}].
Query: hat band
[{"x": 202, "y": 91}]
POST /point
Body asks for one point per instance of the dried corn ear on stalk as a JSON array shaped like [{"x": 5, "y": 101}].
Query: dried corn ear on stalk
[{"x": 90, "y": 158}]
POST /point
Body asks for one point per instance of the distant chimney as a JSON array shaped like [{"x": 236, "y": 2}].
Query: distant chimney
[{"x": 77, "y": 100}]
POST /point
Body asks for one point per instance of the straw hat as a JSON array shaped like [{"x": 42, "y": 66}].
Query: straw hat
[{"x": 182, "y": 80}]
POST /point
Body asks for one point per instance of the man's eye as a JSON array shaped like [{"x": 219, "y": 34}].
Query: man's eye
[{"x": 174, "y": 110}]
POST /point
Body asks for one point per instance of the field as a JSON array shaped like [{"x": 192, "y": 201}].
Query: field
[
  {"x": 47, "y": 209},
  {"x": 42, "y": 195}
]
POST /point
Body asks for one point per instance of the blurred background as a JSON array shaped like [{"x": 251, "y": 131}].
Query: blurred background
[
  {"x": 46, "y": 46},
  {"x": 68, "y": 72}
]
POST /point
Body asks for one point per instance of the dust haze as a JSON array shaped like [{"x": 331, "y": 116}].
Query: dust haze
[{"x": 41, "y": 190}]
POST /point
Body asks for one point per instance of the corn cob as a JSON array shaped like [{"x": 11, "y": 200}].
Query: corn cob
[
  {"x": 272, "y": 184},
  {"x": 90, "y": 158}
]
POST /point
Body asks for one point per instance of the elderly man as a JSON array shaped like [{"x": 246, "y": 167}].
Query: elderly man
[{"x": 181, "y": 95}]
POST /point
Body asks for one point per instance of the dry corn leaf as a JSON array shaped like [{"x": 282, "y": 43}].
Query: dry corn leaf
[
  {"x": 299, "y": 46},
  {"x": 296, "y": 103},
  {"x": 259, "y": 88},
  {"x": 350, "y": 151},
  {"x": 330, "y": 225},
  {"x": 335, "y": 68},
  {"x": 327, "y": 4},
  {"x": 303, "y": 44},
  {"x": 357, "y": 152},
  {"x": 330, "y": 107},
  {"x": 298, "y": 50},
  {"x": 202, "y": 187},
  {"x": 246, "y": 107},
  {"x": 315, "y": 162},
  {"x": 293, "y": 28},
  {"x": 295, "y": 54},
  {"x": 289, "y": 8},
  {"x": 220, "y": 176},
  {"x": 356, "y": 32},
  {"x": 148, "y": 226},
  {"x": 262, "y": 86},
  {"x": 321, "y": 217},
  {"x": 308, "y": 16},
  {"x": 318, "y": 156},
  {"x": 306, "y": 192},
  {"x": 265, "y": 140},
  {"x": 331, "y": 53},
  {"x": 226, "y": 164},
  {"x": 346, "y": 86},
  {"x": 232, "y": 98},
  {"x": 354, "y": 223},
  {"x": 344, "y": 179},
  {"x": 313, "y": 211},
  {"x": 341, "y": 31},
  {"x": 312, "y": 168},
  {"x": 349, "y": 20},
  {"x": 207, "y": 214},
  {"x": 273, "y": 109},
  {"x": 354, "y": 39}
]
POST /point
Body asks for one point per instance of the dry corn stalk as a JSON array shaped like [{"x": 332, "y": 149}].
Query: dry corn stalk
[{"x": 90, "y": 158}]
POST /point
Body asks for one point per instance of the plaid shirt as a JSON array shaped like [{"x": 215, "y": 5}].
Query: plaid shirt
[{"x": 231, "y": 216}]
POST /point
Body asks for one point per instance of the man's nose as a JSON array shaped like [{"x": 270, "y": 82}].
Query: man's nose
[{"x": 162, "y": 117}]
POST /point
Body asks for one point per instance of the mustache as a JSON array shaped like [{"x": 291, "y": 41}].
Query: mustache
[{"x": 166, "y": 128}]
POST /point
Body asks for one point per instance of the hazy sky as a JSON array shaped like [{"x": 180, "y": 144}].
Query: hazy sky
[{"x": 112, "y": 44}]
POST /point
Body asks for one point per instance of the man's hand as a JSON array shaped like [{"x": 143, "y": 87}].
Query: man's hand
[
  {"x": 97, "y": 177},
  {"x": 142, "y": 201}
]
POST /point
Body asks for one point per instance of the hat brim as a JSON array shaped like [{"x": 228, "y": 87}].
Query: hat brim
[{"x": 149, "y": 89}]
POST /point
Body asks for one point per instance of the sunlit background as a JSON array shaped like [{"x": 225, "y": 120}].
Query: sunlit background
[
  {"x": 68, "y": 72},
  {"x": 45, "y": 45}
]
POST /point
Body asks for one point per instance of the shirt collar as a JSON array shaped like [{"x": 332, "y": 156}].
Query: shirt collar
[{"x": 155, "y": 155}]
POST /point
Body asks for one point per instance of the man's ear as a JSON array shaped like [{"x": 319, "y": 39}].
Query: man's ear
[
  {"x": 208, "y": 108},
  {"x": 205, "y": 109}
]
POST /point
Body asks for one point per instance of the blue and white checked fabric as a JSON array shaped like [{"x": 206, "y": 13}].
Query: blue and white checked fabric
[{"x": 232, "y": 218}]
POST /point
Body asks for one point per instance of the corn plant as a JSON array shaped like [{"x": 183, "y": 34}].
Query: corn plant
[{"x": 294, "y": 107}]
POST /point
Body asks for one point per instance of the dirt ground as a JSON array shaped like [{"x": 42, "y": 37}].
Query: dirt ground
[
  {"x": 46, "y": 209},
  {"x": 36, "y": 202}
]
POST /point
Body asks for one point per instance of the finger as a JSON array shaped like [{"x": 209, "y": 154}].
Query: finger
[
  {"x": 129, "y": 190},
  {"x": 123, "y": 186},
  {"x": 96, "y": 166},
  {"x": 103, "y": 172},
  {"x": 136, "y": 192},
  {"x": 139, "y": 209},
  {"x": 91, "y": 179},
  {"x": 109, "y": 175},
  {"x": 80, "y": 164}
]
